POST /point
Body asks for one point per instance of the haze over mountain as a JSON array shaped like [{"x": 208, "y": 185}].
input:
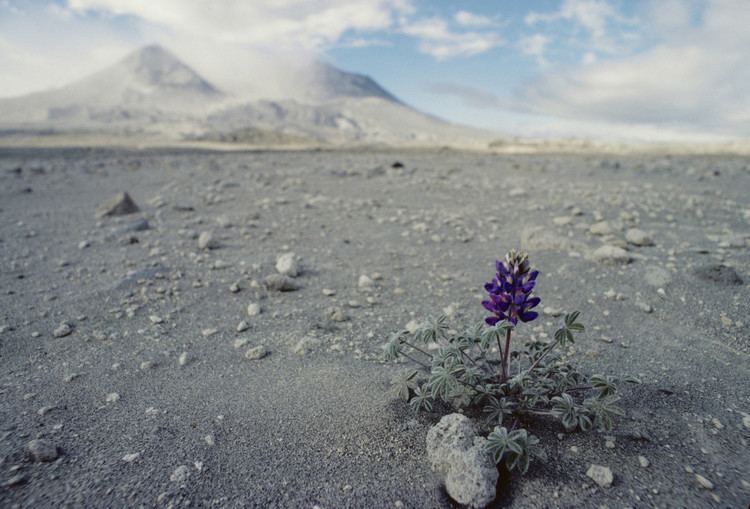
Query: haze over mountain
[{"x": 152, "y": 91}]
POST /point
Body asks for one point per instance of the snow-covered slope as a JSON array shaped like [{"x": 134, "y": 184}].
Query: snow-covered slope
[{"x": 152, "y": 91}]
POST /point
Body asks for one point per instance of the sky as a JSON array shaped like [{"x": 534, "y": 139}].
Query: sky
[{"x": 656, "y": 70}]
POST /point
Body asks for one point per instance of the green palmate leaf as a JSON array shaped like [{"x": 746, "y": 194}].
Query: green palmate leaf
[
  {"x": 604, "y": 384},
  {"x": 497, "y": 408},
  {"x": 515, "y": 447},
  {"x": 403, "y": 384},
  {"x": 443, "y": 381},
  {"x": 422, "y": 399},
  {"x": 604, "y": 411},
  {"x": 393, "y": 347}
]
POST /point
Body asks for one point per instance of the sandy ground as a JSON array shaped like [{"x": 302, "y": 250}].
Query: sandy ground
[{"x": 137, "y": 423}]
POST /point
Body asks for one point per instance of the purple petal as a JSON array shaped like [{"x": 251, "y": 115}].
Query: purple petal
[
  {"x": 491, "y": 320},
  {"x": 532, "y": 302},
  {"x": 489, "y": 305},
  {"x": 528, "y": 316}
]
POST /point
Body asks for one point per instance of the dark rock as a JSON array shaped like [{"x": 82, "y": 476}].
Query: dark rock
[
  {"x": 718, "y": 273},
  {"x": 120, "y": 204}
]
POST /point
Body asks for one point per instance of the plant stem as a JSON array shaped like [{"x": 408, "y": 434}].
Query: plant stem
[
  {"x": 506, "y": 356},
  {"x": 544, "y": 354},
  {"x": 416, "y": 348}
]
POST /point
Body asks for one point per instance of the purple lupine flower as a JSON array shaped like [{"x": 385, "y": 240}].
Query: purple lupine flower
[{"x": 510, "y": 290}]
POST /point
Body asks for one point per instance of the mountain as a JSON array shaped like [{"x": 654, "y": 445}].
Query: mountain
[
  {"x": 147, "y": 84},
  {"x": 151, "y": 92}
]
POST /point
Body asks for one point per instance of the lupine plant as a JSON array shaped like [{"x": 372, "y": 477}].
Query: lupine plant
[{"x": 479, "y": 370}]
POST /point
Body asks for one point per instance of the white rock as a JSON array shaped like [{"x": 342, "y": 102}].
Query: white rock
[
  {"x": 253, "y": 309},
  {"x": 365, "y": 282},
  {"x": 287, "y": 265},
  {"x": 638, "y": 237},
  {"x": 611, "y": 254},
  {"x": 305, "y": 345},
  {"x": 130, "y": 458},
  {"x": 600, "y": 475},
  {"x": 156, "y": 319},
  {"x": 180, "y": 474},
  {"x": 643, "y": 461},
  {"x": 206, "y": 241},
  {"x": 183, "y": 359},
  {"x": 242, "y": 326},
  {"x": 42, "y": 450},
  {"x": 112, "y": 397},
  {"x": 454, "y": 450},
  {"x": 746, "y": 421},
  {"x": 64, "y": 329},
  {"x": 705, "y": 483},
  {"x": 256, "y": 353},
  {"x": 601, "y": 228}
]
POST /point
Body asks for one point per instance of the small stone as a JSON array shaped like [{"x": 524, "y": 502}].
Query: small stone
[
  {"x": 601, "y": 228},
  {"x": 552, "y": 311},
  {"x": 705, "y": 483},
  {"x": 62, "y": 330},
  {"x": 601, "y": 475},
  {"x": 645, "y": 307},
  {"x": 717, "y": 423},
  {"x": 112, "y": 397},
  {"x": 746, "y": 421},
  {"x": 16, "y": 480},
  {"x": 242, "y": 326},
  {"x": 156, "y": 319},
  {"x": 208, "y": 332},
  {"x": 287, "y": 265},
  {"x": 253, "y": 309},
  {"x": 183, "y": 359},
  {"x": 305, "y": 345},
  {"x": 130, "y": 458},
  {"x": 120, "y": 204},
  {"x": 209, "y": 439},
  {"x": 84, "y": 244},
  {"x": 206, "y": 241},
  {"x": 365, "y": 282},
  {"x": 281, "y": 283},
  {"x": 328, "y": 292},
  {"x": 240, "y": 342},
  {"x": 611, "y": 254},
  {"x": 256, "y": 353},
  {"x": 643, "y": 461},
  {"x": 562, "y": 220},
  {"x": 336, "y": 314},
  {"x": 42, "y": 450},
  {"x": 638, "y": 237},
  {"x": 609, "y": 443},
  {"x": 234, "y": 288},
  {"x": 180, "y": 474}
]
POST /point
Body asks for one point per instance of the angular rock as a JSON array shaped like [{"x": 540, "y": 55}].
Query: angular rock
[
  {"x": 256, "y": 353},
  {"x": 454, "y": 450},
  {"x": 288, "y": 265},
  {"x": 253, "y": 309},
  {"x": 611, "y": 254},
  {"x": 538, "y": 238},
  {"x": 719, "y": 273},
  {"x": 280, "y": 283},
  {"x": 638, "y": 237},
  {"x": 600, "y": 475},
  {"x": 62, "y": 330},
  {"x": 601, "y": 228},
  {"x": 42, "y": 450},
  {"x": 120, "y": 204},
  {"x": 206, "y": 241}
]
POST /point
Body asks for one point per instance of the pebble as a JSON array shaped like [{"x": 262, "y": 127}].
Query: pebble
[
  {"x": 253, "y": 309},
  {"x": 601, "y": 475},
  {"x": 208, "y": 332},
  {"x": 645, "y": 307},
  {"x": 180, "y": 474},
  {"x": 705, "y": 483},
  {"x": 42, "y": 450},
  {"x": 287, "y": 264},
  {"x": 611, "y": 254},
  {"x": 336, "y": 314},
  {"x": 183, "y": 359},
  {"x": 16, "y": 480},
  {"x": 206, "y": 241},
  {"x": 120, "y": 204},
  {"x": 156, "y": 319},
  {"x": 242, "y": 326},
  {"x": 638, "y": 237},
  {"x": 601, "y": 228},
  {"x": 551, "y": 311},
  {"x": 112, "y": 397},
  {"x": 130, "y": 458},
  {"x": 328, "y": 292},
  {"x": 256, "y": 353},
  {"x": 746, "y": 421},
  {"x": 280, "y": 283},
  {"x": 643, "y": 461},
  {"x": 234, "y": 288},
  {"x": 365, "y": 282},
  {"x": 62, "y": 330}
]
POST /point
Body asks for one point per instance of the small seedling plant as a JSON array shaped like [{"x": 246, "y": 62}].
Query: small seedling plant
[{"x": 480, "y": 370}]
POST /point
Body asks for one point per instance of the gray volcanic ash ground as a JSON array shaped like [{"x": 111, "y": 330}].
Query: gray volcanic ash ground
[{"x": 146, "y": 362}]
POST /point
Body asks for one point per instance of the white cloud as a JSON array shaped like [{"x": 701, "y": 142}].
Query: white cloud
[
  {"x": 696, "y": 80},
  {"x": 534, "y": 45},
  {"x": 469, "y": 19},
  {"x": 438, "y": 40},
  {"x": 278, "y": 24}
]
